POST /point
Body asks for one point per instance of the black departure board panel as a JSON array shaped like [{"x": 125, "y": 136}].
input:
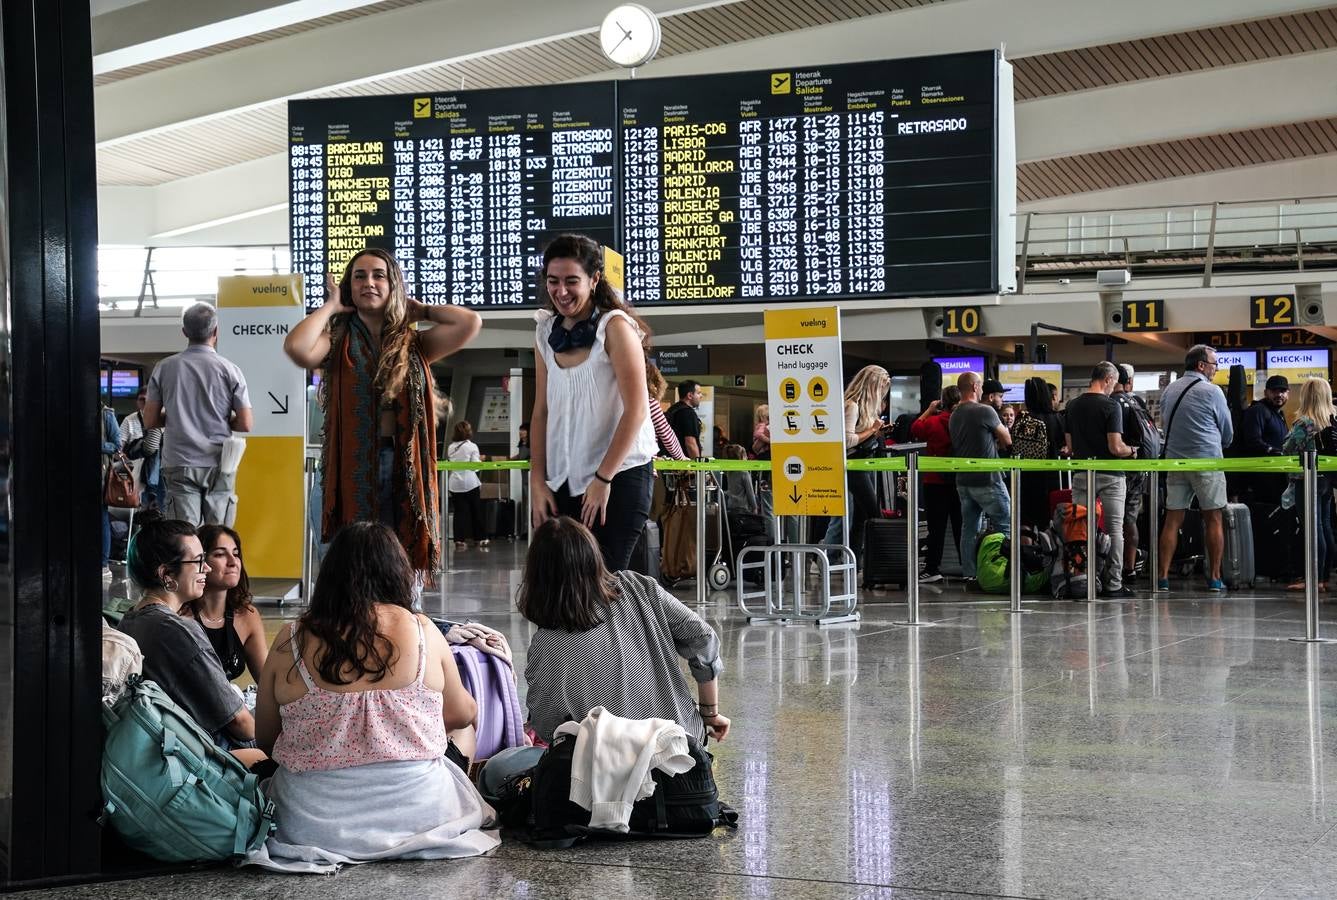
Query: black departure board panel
[
  {"x": 465, "y": 188},
  {"x": 864, "y": 180}
]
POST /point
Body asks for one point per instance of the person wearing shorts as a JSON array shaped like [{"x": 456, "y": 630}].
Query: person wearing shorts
[{"x": 1197, "y": 426}]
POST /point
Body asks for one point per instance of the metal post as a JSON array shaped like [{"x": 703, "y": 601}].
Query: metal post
[
  {"x": 1014, "y": 536},
  {"x": 702, "y": 576},
  {"x": 1211, "y": 249},
  {"x": 912, "y": 540},
  {"x": 1025, "y": 255},
  {"x": 1092, "y": 561},
  {"x": 1309, "y": 512},
  {"x": 309, "y": 469},
  {"x": 1154, "y": 526},
  {"x": 443, "y": 527}
]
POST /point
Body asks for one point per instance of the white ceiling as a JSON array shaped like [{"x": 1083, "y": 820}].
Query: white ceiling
[{"x": 191, "y": 99}]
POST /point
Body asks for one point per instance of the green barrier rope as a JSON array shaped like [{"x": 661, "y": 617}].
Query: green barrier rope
[
  {"x": 1264, "y": 465},
  {"x": 498, "y": 466}
]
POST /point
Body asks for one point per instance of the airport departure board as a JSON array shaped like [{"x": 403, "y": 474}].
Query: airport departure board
[
  {"x": 866, "y": 180},
  {"x": 464, "y": 188}
]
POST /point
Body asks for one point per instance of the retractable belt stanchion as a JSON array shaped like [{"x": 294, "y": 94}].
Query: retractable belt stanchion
[
  {"x": 1154, "y": 526},
  {"x": 1014, "y": 537},
  {"x": 1309, "y": 512},
  {"x": 702, "y": 575},
  {"x": 1092, "y": 557},
  {"x": 912, "y": 540},
  {"x": 443, "y": 527}
]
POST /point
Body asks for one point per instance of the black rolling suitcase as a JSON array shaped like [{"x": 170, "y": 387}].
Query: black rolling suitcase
[
  {"x": 1277, "y": 533},
  {"x": 1191, "y": 551},
  {"x": 504, "y": 527},
  {"x": 645, "y": 555},
  {"x": 884, "y": 546}
]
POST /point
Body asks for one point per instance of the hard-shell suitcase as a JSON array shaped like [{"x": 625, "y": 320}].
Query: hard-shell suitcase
[
  {"x": 645, "y": 555},
  {"x": 1277, "y": 534},
  {"x": 884, "y": 548},
  {"x": 1237, "y": 565}
]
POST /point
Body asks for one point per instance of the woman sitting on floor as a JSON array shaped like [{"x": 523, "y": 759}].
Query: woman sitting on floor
[
  {"x": 225, "y": 611},
  {"x": 166, "y": 560},
  {"x": 611, "y": 640},
  {"x": 355, "y": 703}
]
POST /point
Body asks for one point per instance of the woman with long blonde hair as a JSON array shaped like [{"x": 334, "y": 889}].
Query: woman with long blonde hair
[
  {"x": 377, "y": 390},
  {"x": 865, "y": 399},
  {"x": 1315, "y": 428}
]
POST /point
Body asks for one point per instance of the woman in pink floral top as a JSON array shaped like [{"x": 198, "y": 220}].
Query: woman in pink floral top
[{"x": 355, "y": 704}]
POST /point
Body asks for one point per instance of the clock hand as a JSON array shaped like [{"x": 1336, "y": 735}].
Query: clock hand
[
  {"x": 625, "y": 34},
  {"x": 624, "y": 30}
]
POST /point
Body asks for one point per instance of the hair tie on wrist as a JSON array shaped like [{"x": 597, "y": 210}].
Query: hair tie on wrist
[{"x": 607, "y": 481}]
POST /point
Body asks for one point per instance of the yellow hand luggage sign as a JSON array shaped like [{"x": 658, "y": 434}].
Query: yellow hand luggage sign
[{"x": 804, "y": 380}]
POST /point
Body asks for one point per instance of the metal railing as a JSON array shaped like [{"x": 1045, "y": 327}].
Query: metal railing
[{"x": 1290, "y": 234}]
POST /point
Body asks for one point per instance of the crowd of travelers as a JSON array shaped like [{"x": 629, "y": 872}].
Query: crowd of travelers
[
  {"x": 361, "y": 732},
  {"x": 364, "y": 726}
]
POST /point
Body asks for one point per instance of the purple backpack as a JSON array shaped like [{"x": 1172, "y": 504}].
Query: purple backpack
[{"x": 491, "y": 682}]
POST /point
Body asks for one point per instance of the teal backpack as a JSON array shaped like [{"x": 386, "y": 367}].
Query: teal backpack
[{"x": 169, "y": 791}]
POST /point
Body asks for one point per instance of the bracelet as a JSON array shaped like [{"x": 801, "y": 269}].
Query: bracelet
[
  {"x": 714, "y": 707},
  {"x": 601, "y": 478}
]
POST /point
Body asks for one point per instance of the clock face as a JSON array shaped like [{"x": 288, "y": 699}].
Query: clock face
[{"x": 630, "y": 35}]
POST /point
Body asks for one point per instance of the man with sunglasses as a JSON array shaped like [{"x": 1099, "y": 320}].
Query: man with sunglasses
[{"x": 1196, "y": 422}]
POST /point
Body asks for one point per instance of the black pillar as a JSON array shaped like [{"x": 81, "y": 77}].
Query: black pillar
[{"x": 54, "y": 592}]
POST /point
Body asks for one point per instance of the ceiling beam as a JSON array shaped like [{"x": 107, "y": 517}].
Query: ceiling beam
[
  {"x": 157, "y": 29},
  {"x": 1235, "y": 98}
]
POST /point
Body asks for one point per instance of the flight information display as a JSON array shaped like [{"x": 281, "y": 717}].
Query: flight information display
[
  {"x": 864, "y": 180},
  {"x": 464, "y": 188}
]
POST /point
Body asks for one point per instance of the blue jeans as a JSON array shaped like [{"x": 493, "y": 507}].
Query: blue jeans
[
  {"x": 987, "y": 499},
  {"x": 106, "y": 537}
]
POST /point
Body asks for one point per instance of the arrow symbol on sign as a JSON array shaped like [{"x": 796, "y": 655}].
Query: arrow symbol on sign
[
  {"x": 281, "y": 404},
  {"x": 795, "y": 495}
]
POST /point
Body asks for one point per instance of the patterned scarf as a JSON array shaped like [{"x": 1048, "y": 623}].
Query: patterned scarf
[{"x": 352, "y": 442}]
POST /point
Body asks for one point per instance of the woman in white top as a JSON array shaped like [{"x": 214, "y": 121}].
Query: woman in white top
[
  {"x": 466, "y": 488},
  {"x": 591, "y": 439}
]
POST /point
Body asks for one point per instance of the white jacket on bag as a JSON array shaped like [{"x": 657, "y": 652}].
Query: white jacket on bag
[{"x": 613, "y": 759}]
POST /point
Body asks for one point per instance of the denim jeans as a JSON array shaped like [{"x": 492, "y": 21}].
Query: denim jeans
[
  {"x": 106, "y": 537},
  {"x": 986, "y": 499},
  {"x": 624, "y": 516},
  {"x": 1327, "y": 547},
  {"x": 1111, "y": 491}
]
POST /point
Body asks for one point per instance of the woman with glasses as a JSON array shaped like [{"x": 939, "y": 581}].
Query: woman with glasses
[
  {"x": 167, "y": 561},
  {"x": 225, "y": 611}
]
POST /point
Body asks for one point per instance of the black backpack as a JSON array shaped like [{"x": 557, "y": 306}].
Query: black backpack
[
  {"x": 1141, "y": 430},
  {"x": 535, "y": 806}
]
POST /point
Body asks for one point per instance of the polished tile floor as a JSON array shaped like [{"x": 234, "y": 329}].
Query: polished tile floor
[{"x": 1176, "y": 748}]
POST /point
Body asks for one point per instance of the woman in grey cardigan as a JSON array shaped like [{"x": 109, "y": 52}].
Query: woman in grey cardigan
[{"x": 611, "y": 640}]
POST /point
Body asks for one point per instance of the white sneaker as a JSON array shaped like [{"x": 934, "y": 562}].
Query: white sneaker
[{"x": 926, "y": 578}]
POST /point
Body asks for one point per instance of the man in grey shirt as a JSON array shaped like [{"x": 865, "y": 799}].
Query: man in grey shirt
[
  {"x": 978, "y": 433},
  {"x": 200, "y": 398},
  {"x": 1197, "y": 425}
]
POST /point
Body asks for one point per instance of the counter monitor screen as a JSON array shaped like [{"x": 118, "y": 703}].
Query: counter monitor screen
[{"x": 465, "y": 188}]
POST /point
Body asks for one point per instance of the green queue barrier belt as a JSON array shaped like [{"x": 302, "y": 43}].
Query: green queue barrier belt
[{"x": 1262, "y": 465}]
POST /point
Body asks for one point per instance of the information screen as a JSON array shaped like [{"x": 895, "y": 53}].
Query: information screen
[
  {"x": 864, "y": 180},
  {"x": 868, "y": 180},
  {"x": 465, "y": 188}
]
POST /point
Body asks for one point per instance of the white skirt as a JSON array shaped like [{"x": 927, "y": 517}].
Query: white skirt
[{"x": 417, "y": 809}]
